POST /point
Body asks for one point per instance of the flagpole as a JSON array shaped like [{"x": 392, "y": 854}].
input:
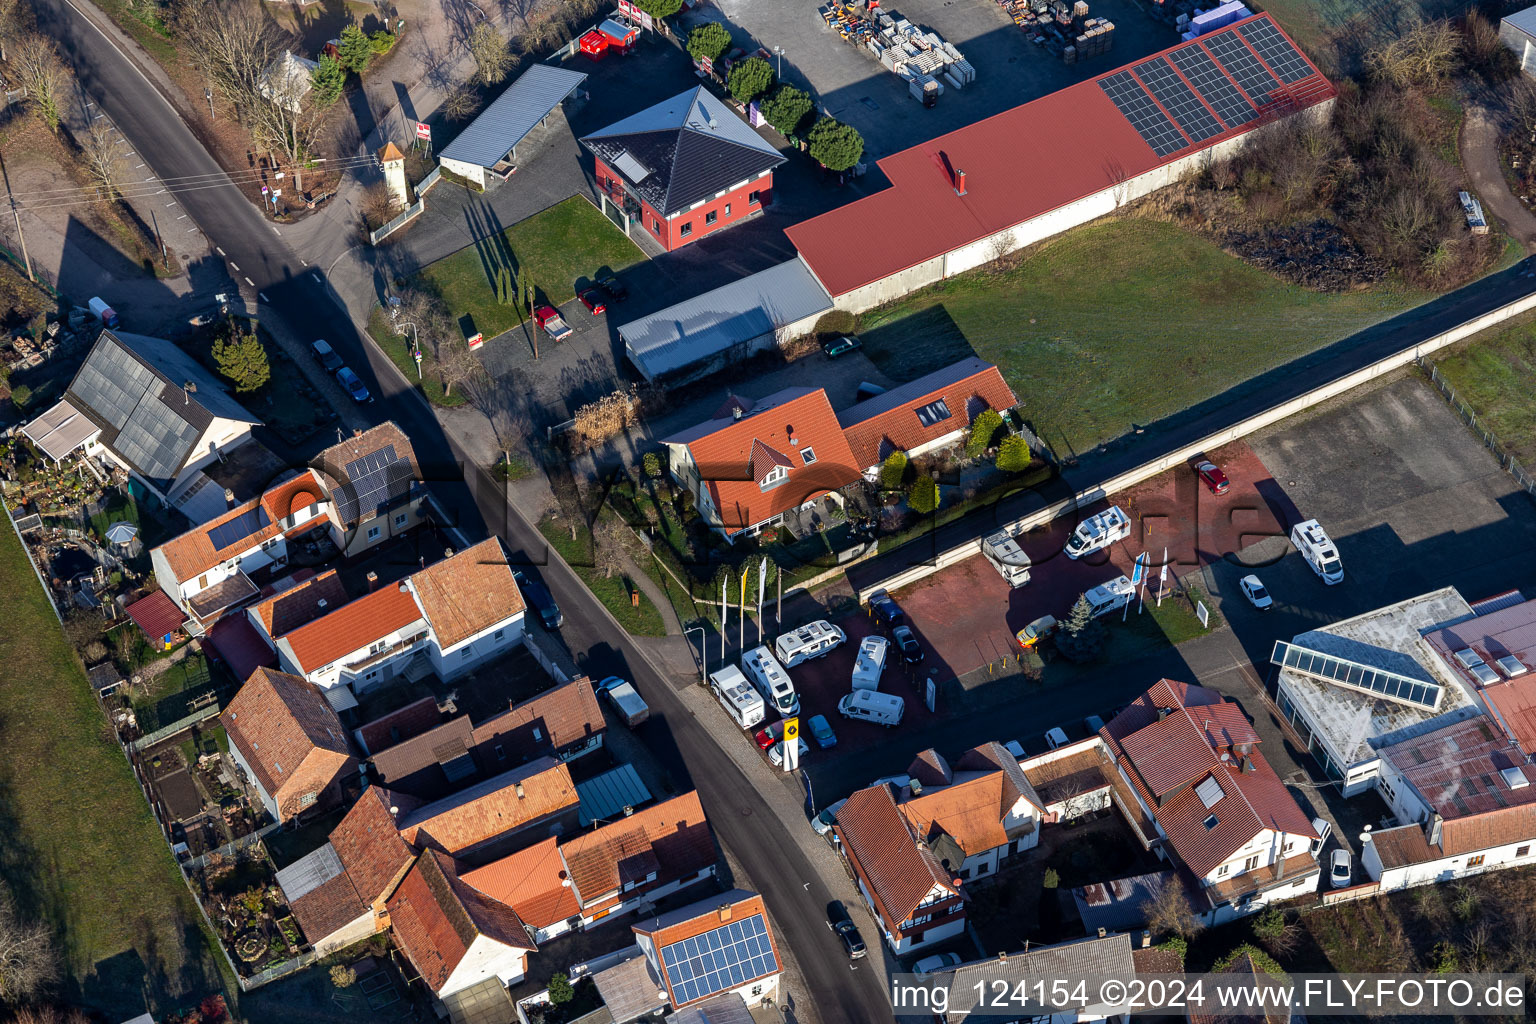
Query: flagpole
[
  {"x": 724, "y": 580},
  {"x": 762, "y": 582},
  {"x": 741, "y": 615}
]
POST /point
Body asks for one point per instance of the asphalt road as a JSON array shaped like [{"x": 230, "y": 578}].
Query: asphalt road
[{"x": 261, "y": 264}]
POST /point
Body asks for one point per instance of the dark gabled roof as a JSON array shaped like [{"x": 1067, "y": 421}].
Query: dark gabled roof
[{"x": 683, "y": 150}]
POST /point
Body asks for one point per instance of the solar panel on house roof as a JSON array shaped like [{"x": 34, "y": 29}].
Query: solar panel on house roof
[
  {"x": 239, "y": 528},
  {"x": 1276, "y": 50},
  {"x": 1214, "y": 86},
  {"x": 1353, "y": 675},
  {"x": 1151, "y": 123},
  {"x": 1242, "y": 65},
  {"x": 375, "y": 479},
  {"x": 934, "y": 412},
  {"x": 720, "y": 959},
  {"x": 631, "y": 168},
  {"x": 1178, "y": 99}
]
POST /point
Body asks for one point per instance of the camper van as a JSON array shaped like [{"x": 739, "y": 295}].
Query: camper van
[
  {"x": 765, "y": 672},
  {"x": 813, "y": 640},
  {"x": 1003, "y": 551},
  {"x": 1111, "y": 596},
  {"x": 1312, "y": 541},
  {"x": 736, "y": 695},
  {"x": 872, "y": 706},
  {"x": 870, "y": 665},
  {"x": 105, "y": 313},
  {"x": 1098, "y": 532}
]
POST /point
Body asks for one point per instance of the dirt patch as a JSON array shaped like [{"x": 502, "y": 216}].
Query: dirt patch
[{"x": 1319, "y": 256}]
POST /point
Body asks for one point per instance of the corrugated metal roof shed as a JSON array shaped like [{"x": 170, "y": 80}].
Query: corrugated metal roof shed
[
  {"x": 700, "y": 327},
  {"x": 604, "y": 797},
  {"x": 1524, "y": 20},
  {"x": 513, "y": 115}
]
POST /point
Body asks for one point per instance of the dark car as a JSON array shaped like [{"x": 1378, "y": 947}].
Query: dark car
[
  {"x": 840, "y": 346},
  {"x": 911, "y": 650},
  {"x": 593, "y": 300},
  {"x": 840, "y": 923},
  {"x": 884, "y": 609},
  {"x": 543, "y": 602},
  {"x": 325, "y": 355},
  {"x": 353, "y": 385},
  {"x": 613, "y": 287},
  {"x": 1212, "y": 476}
]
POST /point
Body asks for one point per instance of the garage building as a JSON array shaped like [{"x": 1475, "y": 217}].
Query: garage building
[
  {"x": 1518, "y": 31},
  {"x": 489, "y": 143},
  {"x": 969, "y": 197}
]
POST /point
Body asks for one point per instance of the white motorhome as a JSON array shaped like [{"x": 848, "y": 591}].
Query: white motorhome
[
  {"x": 1003, "y": 551},
  {"x": 1098, "y": 532},
  {"x": 1320, "y": 552},
  {"x": 872, "y": 706},
  {"x": 771, "y": 680},
  {"x": 870, "y": 665},
  {"x": 1110, "y": 596},
  {"x": 813, "y": 640},
  {"x": 741, "y": 702}
]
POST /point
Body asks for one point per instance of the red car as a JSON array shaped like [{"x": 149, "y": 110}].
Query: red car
[
  {"x": 768, "y": 735},
  {"x": 1212, "y": 476},
  {"x": 593, "y": 301}
]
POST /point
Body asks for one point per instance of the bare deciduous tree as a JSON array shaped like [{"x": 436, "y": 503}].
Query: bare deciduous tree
[
  {"x": 489, "y": 49},
  {"x": 608, "y": 545},
  {"x": 1427, "y": 55},
  {"x": 460, "y": 104},
  {"x": 103, "y": 159},
  {"x": 38, "y": 68},
  {"x": 48, "y": 1015},
  {"x": 29, "y": 960},
  {"x": 456, "y": 364},
  {"x": 1169, "y": 911},
  {"x": 1522, "y": 106},
  {"x": 230, "y": 44}
]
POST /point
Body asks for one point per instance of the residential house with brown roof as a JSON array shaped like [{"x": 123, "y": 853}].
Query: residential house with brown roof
[
  {"x": 682, "y": 946},
  {"x": 925, "y": 414},
  {"x": 374, "y": 483},
  {"x": 289, "y": 742},
  {"x": 1073, "y": 780},
  {"x": 477, "y": 824},
  {"x": 608, "y": 872},
  {"x": 915, "y": 899},
  {"x": 1191, "y": 759},
  {"x": 446, "y": 619},
  {"x": 974, "y": 815},
  {"x": 222, "y": 564},
  {"x": 465, "y": 947},
  {"x": 754, "y": 463}
]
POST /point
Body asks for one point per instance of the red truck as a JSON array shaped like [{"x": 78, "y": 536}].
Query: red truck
[{"x": 548, "y": 318}]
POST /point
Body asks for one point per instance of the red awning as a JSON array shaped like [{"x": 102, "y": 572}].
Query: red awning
[{"x": 157, "y": 615}]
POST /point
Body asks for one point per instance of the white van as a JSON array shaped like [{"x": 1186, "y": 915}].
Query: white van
[
  {"x": 872, "y": 706},
  {"x": 1098, "y": 532},
  {"x": 771, "y": 680},
  {"x": 1320, "y": 552},
  {"x": 736, "y": 695},
  {"x": 870, "y": 666},
  {"x": 813, "y": 640},
  {"x": 105, "y": 313},
  {"x": 1111, "y": 596},
  {"x": 1003, "y": 551}
]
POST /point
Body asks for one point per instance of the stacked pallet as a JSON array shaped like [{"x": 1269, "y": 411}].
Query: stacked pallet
[{"x": 923, "y": 59}]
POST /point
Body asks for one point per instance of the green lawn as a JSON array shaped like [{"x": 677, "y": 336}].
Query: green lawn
[
  {"x": 612, "y": 591},
  {"x": 1495, "y": 375},
  {"x": 81, "y": 847},
  {"x": 397, "y": 347},
  {"x": 568, "y": 243},
  {"x": 1117, "y": 324}
]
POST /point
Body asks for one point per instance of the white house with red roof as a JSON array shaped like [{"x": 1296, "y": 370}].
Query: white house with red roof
[
  {"x": 975, "y": 814},
  {"x": 1216, "y": 808}
]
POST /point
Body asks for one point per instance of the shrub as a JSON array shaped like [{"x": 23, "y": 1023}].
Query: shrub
[
  {"x": 560, "y": 988},
  {"x": 786, "y": 108},
  {"x": 328, "y": 79},
  {"x": 708, "y": 41},
  {"x": 355, "y": 49},
  {"x": 651, "y": 462},
  {"x": 343, "y": 976},
  {"x": 838, "y": 321},
  {"x": 382, "y": 41},
  {"x": 834, "y": 145},
  {"x": 893, "y": 471},
  {"x": 1014, "y": 456},
  {"x": 21, "y": 395},
  {"x": 983, "y": 429},
  {"x": 1052, "y": 879},
  {"x": 924, "y": 497},
  {"x": 660, "y": 8},
  {"x": 750, "y": 79}
]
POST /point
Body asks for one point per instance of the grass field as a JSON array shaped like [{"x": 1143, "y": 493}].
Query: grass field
[
  {"x": 638, "y": 620},
  {"x": 81, "y": 847},
  {"x": 397, "y": 347},
  {"x": 1334, "y": 32},
  {"x": 569, "y": 243},
  {"x": 1495, "y": 375},
  {"x": 1115, "y": 325}
]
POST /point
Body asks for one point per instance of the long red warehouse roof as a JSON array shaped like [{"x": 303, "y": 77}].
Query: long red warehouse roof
[{"x": 1053, "y": 151}]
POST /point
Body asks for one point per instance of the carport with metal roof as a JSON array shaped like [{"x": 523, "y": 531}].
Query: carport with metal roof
[{"x": 490, "y": 141}]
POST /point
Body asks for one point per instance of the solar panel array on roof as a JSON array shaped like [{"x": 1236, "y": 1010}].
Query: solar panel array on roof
[
  {"x": 239, "y": 528},
  {"x": 374, "y": 481},
  {"x": 1178, "y": 99},
  {"x": 1126, "y": 93},
  {"x": 126, "y": 393},
  {"x": 933, "y": 412},
  {"x": 1276, "y": 50},
  {"x": 1242, "y": 65},
  {"x": 1214, "y": 86},
  {"x": 722, "y": 958},
  {"x": 1355, "y": 676}
]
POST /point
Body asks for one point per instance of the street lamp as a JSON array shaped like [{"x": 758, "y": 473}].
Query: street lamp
[
  {"x": 416, "y": 342},
  {"x": 703, "y": 651},
  {"x": 779, "y": 52}
]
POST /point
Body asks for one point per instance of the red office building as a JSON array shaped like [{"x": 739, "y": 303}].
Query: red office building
[{"x": 684, "y": 168}]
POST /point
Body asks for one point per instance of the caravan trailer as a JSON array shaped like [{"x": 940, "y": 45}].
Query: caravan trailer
[{"x": 741, "y": 702}]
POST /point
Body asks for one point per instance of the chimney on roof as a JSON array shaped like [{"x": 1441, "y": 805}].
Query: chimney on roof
[
  {"x": 404, "y": 587},
  {"x": 373, "y": 580},
  {"x": 394, "y": 812},
  {"x": 229, "y": 497},
  {"x": 1102, "y": 933},
  {"x": 735, "y": 412},
  {"x": 789, "y": 431},
  {"x": 519, "y": 790},
  {"x": 959, "y": 182},
  {"x": 1247, "y": 765},
  {"x": 1001, "y": 956},
  {"x": 447, "y": 552},
  {"x": 321, "y": 604},
  {"x": 916, "y": 787},
  {"x": 725, "y": 911},
  {"x": 1163, "y": 713}
]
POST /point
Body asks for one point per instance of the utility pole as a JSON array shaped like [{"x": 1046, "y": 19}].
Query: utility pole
[
  {"x": 208, "y": 95},
  {"x": 165, "y": 259},
  {"x": 16, "y": 214}
]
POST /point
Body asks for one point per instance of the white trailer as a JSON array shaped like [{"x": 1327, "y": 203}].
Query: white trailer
[
  {"x": 1098, "y": 532},
  {"x": 1319, "y": 551},
  {"x": 1003, "y": 551},
  {"x": 743, "y": 703},
  {"x": 870, "y": 665}
]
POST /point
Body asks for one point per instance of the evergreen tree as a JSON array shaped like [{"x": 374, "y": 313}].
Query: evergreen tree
[
  {"x": 983, "y": 429},
  {"x": 1082, "y": 637},
  {"x": 1014, "y": 456},
  {"x": 834, "y": 145},
  {"x": 925, "y": 495},
  {"x": 355, "y": 49},
  {"x": 708, "y": 41},
  {"x": 893, "y": 471},
  {"x": 328, "y": 78},
  {"x": 243, "y": 361},
  {"x": 750, "y": 79}
]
